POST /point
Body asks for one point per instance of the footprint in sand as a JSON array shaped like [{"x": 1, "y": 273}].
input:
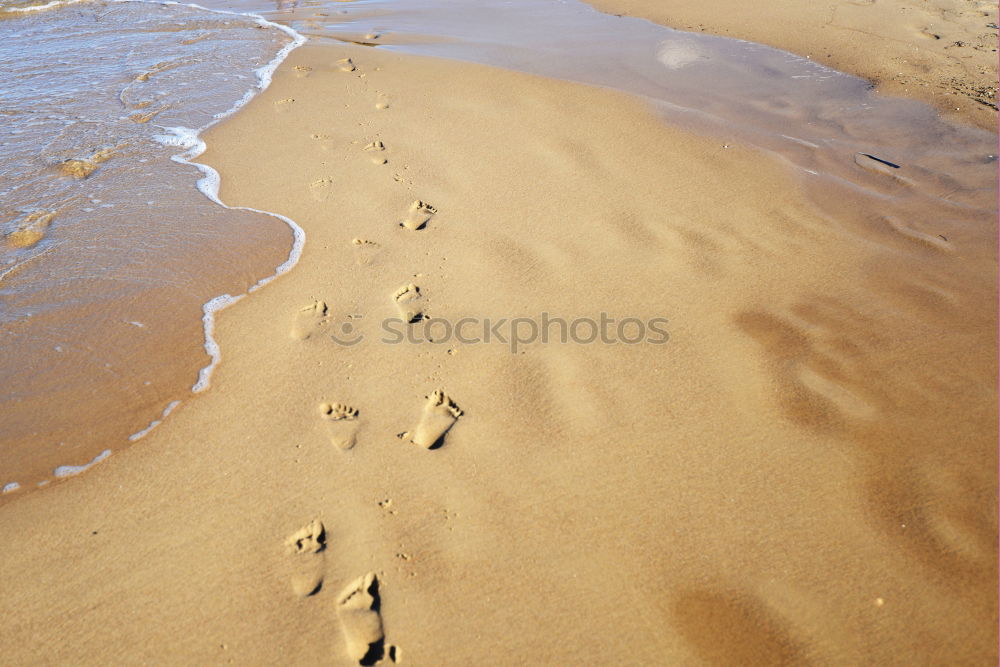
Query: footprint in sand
[
  {"x": 309, "y": 320},
  {"x": 301, "y": 71},
  {"x": 408, "y": 300},
  {"x": 325, "y": 140},
  {"x": 306, "y": 546},
  {"x": 376, "y": 148},
  {"x": 358, "y": 609},
  {"x": 285, "y": 105},
  {"x": 321, "y": 188},
  {"x": 342, "y": 424},
  {"x": 367, "y": 251},
  {"x": 346, "y": 65},
  {"x": 420, "y": 214},
  {"x": 440, "y": 414}
]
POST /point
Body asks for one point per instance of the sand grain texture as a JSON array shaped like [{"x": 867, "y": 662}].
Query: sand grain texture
[{"x": 804, "y": 472}]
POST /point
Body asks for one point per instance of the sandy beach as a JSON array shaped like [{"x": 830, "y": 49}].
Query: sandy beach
[{"x": 783, "y": 451}]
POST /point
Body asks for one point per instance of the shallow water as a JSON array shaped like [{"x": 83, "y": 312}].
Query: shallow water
[
  {"x": 110, "y": 251},
  {"x": 123, "y": 256},
  {"x": 809, "y": 114}
]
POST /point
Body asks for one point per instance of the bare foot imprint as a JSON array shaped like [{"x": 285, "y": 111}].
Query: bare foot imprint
[
  {"x": 325, "y": 140},
  {"x": 358, "y": 609},
  {"x": 309, "y": 320},
  {"x": 306, "y": 546},
  {"x": 376, "y": 148},
  {"x": 346, "y": 65},
  {"x": 439, "y": 415},
  {"x": 408, "y": 300},
  {"x": 341, "y": 424},
  {"x": 419, "y": 215},
  {"x": 321, "y": 189}
]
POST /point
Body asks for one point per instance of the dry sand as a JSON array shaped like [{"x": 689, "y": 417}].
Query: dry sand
[
  {"x": 805, "y": 472},
  {"x": 943, "y": 52}
]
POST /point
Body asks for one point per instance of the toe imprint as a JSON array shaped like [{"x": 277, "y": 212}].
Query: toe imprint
[
  {"x": 439, "y": 415},
  {"x": 418, "y": 216},
  {"x": 358, "y": 609}
]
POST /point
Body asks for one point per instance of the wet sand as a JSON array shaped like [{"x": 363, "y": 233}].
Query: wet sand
[
  {"x": 108, "y": 252},
  {"x": 943, "y": 52},
  {"x": 804, "y": 472}
]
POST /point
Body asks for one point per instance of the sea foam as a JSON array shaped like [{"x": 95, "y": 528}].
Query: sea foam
[{"x": 190, "y": 140}]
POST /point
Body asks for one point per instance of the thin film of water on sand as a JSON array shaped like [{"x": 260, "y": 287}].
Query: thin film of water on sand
[{"x": 110, "y": 253}]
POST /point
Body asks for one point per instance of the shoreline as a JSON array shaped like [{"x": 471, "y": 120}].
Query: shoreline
[
  {"x": 201, "y": 382},
  {"x": 189, "y": 140},
  {"x": 797, "y": 409},
  {"x": 942, "y": 53}
]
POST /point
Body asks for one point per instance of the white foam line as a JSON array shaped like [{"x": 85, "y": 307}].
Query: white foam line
[
  {"x": 69, "y": 471},
  {"x": 208, "y": 184},
  {"x": 153, "y": 424},
  {"x": 11, "y": 487}
]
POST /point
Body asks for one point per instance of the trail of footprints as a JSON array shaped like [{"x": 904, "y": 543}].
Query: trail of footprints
[
  {"x": 358, "y": 604},
  {"x": 358, "y": 607}
]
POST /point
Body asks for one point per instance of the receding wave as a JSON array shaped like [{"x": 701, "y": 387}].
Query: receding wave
[{"x": 108, "y": 253}]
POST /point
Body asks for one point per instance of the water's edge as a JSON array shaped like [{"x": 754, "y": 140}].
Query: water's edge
[{"x": 190, "y": 140}]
